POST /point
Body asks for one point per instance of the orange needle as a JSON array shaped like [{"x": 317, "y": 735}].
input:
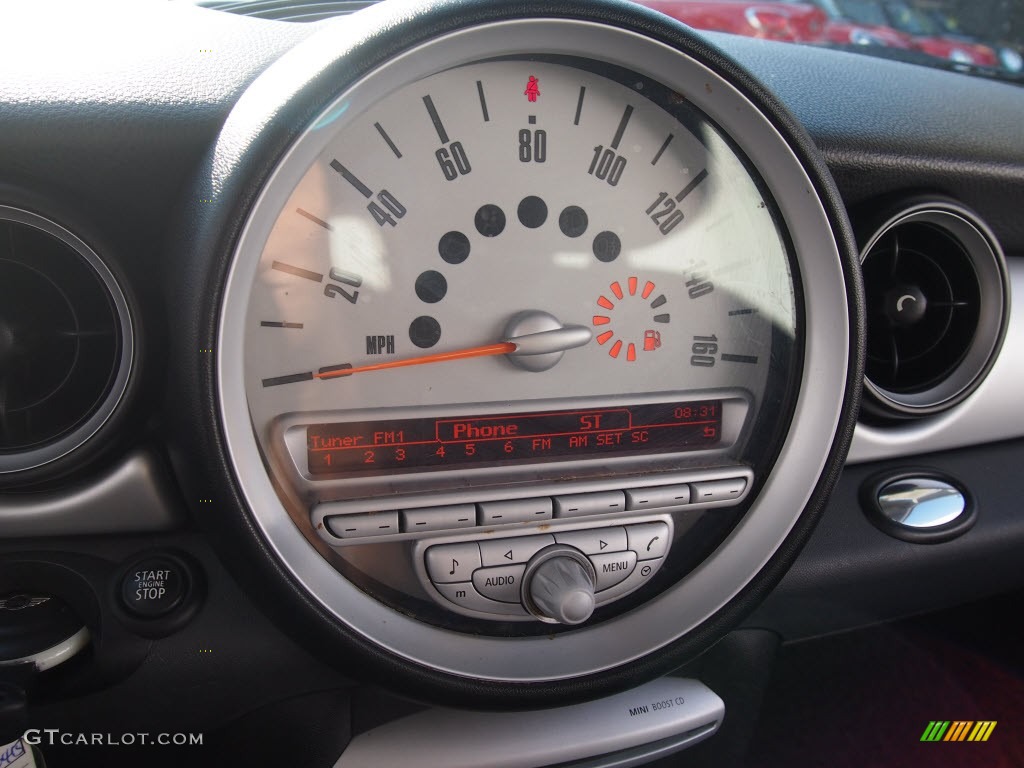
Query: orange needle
[{"x": 503, "y": 348}]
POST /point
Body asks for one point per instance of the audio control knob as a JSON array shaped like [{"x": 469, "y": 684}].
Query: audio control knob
[{"x": 558, "y": 585}]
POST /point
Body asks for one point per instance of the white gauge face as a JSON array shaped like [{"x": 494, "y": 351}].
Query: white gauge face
[{"x": 494, "y": 200}]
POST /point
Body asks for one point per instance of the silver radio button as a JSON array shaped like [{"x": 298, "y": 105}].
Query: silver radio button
[
  {"x": 438, "y": 518},
  {"x": 514, "y": 511},
  {"x": 642, "y": 573},
  {"x": 513, "y": 550},
  {"x": 502, "y": 583},
  {"x": 657, "y": 497},
  {"x": 612, "y": 568},
  {"x": 579, "y": 504},
  {"x": 466, "y": 596},
  {"x": 648, "y": 540},
  {"x": 363, "y": 524},
  {"x": 595, "y": 542},
  {"x": 718, "y": 490},
  {"x": 447, "y": 563}
]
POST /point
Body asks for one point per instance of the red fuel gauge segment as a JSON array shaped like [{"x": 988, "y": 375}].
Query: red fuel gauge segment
[
  {"x": 452, "y": 442},
  {"x": 626, "y": 344}
]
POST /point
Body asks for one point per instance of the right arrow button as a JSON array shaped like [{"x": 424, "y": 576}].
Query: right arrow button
[{"x": 595, "y": 541}]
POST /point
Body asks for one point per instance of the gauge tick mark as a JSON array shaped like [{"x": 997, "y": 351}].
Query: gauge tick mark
[
  {"x": 435, "y": 118},
  {"x": 291, "y": 379},
  {"x": 316, "y": 220},
  {"x": 691, "y": 186},
  {"x": 579, "y": 105},
  {"x": 661, "y": 151},
  {"x": 290, "y": 269},
  {"x": 483, "y": 101},
  {"x": 387, "y": 139},
  {"x": 622, "y": 127},
  {"x": 352, "y": 179}
]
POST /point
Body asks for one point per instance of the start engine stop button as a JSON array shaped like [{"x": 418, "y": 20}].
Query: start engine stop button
[{"x": 154, "y": 586}]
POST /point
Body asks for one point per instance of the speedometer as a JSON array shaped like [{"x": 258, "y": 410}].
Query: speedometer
[
  {"x": 526, "y": 334},
  {"x": 512, "y": 265}
]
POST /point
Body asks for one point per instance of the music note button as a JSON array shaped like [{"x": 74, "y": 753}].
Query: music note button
[{"x": 449, "y": 563}]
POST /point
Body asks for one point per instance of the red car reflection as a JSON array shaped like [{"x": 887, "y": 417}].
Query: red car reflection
[{"x": 788, "y": 22}]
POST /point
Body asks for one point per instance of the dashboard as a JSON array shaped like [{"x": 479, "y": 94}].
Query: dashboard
[{"x": 462, "y": 368}]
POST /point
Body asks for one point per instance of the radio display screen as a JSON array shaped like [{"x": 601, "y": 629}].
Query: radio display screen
[{"x": 465, "y": 441}]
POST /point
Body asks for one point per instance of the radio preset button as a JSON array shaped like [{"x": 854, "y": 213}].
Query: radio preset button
[
  {"x": 502, "y": 583},
  {"x": 447, "y": 563},
  {"x": 466, "y": 596},
  {"x": 718, "y": 490},
  {"x": 579, "y": 504},
  {"x": 612, "y": 568},
  {"x": 596, "y": 541},
  {"x": 513, "y": 550},
  {"x": 657, "y": 497},
  {"x": 438, "y": 518},
  {"x": 648, "y": 540},
  {"x": 514, "y": 511},
  {"x": 363, "y": 524}
]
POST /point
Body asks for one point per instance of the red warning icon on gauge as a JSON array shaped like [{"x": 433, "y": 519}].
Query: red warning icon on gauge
[
  {"x": 532, "y": 89},
  {"x": 617, "y": 332}
]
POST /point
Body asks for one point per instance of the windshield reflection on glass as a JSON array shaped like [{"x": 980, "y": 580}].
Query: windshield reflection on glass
[{"x": 972, "y": 36}]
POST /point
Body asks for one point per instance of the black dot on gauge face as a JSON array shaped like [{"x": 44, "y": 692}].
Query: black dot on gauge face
[
  {"x": 490, "y": 220},
  {"x": 532, "y": 212},
  {"x": 424, "y": 332},
  {"x": 453, "y": 247},
  {"x": 607, "y": 246},
  {"x": 573, "y": 221},
  {"x": 431, "y": 286}
]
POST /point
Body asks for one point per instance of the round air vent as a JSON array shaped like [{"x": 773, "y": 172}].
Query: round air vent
[
  {"x": 65, "y": 341},
  {"x": 936, "y": 286}
]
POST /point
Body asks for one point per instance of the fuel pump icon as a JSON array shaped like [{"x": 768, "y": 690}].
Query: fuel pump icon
[{"x": 652, "y": 340}]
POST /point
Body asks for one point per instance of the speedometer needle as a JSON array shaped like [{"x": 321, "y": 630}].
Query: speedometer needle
[{"x": 541, "y": 343}]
